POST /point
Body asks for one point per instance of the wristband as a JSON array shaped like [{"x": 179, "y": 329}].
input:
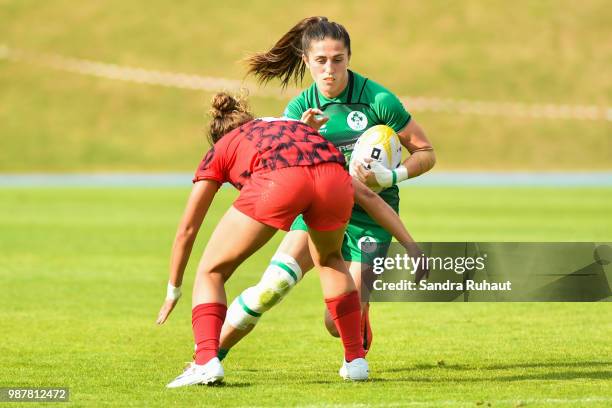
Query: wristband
[
  {"x": 399, "y": 174},
  {"x": 173, "y": 293}
]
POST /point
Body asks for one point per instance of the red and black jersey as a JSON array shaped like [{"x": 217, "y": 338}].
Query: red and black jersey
[{"x": 264, "y": 145}]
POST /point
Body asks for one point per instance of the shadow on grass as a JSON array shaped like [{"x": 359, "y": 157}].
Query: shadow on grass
[
  {"x": 476, "y": 375},
  {"x": 463, "y": 367},
  {"x": 566, "y": 375},
  {"x": 228, "y": 385},
  {"x": 339, "y": 380}
]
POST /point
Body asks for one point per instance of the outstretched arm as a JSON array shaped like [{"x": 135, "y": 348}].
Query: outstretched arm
[
  {"x": 381, "y": 212},
  {"x": 384, "y": 215},
  {"x": 199, "y": 201}
]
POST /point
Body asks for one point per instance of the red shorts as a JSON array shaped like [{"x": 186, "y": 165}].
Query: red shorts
[{"x": 323, "y": 193}]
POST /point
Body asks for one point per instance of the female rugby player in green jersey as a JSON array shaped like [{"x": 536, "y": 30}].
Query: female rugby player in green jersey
[{"x": 349, "y": 104}]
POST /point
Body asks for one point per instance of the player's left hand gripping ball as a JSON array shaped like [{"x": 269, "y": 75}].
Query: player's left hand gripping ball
[{"x": 380, "y": 176}]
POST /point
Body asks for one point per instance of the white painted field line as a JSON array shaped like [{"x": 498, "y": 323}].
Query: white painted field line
[
  {"x": 213, "y": 84},
  {"x": 136, "y": 74}
]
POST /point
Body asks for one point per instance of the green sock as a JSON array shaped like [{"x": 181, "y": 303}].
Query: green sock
[{"x": 222, "y": 354}]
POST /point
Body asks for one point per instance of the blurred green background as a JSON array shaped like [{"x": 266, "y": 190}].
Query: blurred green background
[
  {"x": 540, "y": 52},
  {"x": 83, "y": 271}
]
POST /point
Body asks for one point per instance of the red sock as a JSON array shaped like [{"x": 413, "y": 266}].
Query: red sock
[
  {"x": 207, "y": 320},
  {"x": 345, "y": 310}
]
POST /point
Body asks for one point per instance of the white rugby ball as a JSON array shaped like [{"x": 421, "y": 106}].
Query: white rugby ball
[{"x": 379, "y": 143}]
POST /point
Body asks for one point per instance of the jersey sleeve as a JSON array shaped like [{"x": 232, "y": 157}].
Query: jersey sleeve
[
  {"x": 211, "y": 167},
  {"x": 295, "y": 108},
  {"x": 389, "y": 108}
]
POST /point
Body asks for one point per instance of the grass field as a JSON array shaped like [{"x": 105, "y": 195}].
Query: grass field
[
  {"x": 545, "y": 52},
  {"x": 83, "y": 271}
]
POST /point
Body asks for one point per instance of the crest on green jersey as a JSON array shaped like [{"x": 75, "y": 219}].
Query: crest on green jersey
[{"x": 357, "y": 120}]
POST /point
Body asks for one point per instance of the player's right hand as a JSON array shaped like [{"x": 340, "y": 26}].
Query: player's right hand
[
  {"x": 413, "y": 250},
  {"x": 165, "y": 310},
  {"x": 314, "y": 118},
  {"x": 173, "y": 294},
  {"x": 421, "y": 273}
]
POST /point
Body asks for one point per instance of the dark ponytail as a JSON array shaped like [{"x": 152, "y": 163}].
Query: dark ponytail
[{"x": 284, "y": 60}]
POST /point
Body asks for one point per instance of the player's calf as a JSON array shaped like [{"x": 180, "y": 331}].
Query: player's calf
[{"x": 366, "y": 330}]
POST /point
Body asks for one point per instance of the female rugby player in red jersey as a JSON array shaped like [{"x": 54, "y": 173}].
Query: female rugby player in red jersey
[{"x": 282, "y": 168}]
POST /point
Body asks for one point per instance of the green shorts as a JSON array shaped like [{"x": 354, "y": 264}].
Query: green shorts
[{"x": 360, "y": 232}]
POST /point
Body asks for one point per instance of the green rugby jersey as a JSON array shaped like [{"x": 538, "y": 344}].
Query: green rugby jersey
[{"x": 361, "y": 105}]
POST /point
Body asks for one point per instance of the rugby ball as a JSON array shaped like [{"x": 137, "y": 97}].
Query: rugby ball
[{"x": 379, "y": 143}]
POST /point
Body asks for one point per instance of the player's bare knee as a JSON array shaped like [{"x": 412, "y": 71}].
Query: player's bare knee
[
  {"x": 211, "y": 276},
  {"x": 218, "y": 271},
  {"x": 331, "y": 259}
]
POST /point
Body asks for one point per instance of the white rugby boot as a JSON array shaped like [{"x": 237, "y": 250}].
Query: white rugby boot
[
  {"x": 356, "y": 370},
  {"x": 209, "y": 373}
]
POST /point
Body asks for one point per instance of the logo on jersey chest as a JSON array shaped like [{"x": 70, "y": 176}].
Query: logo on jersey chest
[{"x": 357, "y": 120}]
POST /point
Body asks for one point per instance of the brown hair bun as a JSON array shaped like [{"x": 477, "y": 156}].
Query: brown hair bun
[
  {"x": 223, "y": 103},
  {"x": 228, "y": 112}
]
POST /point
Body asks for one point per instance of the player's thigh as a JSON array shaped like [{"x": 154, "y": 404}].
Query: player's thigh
[
  {"x": 325, "y": 244},
  {"x": 235, "y": 238},
  {"x": 295, "y": 244},
  {"x": 332, "y": 202}
]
